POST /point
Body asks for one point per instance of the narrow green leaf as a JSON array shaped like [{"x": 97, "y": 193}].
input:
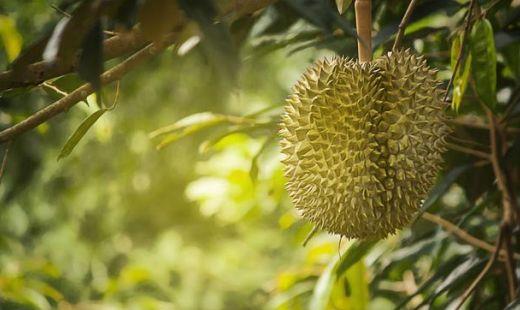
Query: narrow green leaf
[
  {"x": 441, "y": 187},
  {"x": 323, "y": 289},
  {"x": 440, "y": 273},
  {"x": 484, "y": 62},
  {"x": 460, "y": 81},
  {"x": 354, "y": 253},
  {"x": 73, "y": 140},
  {"x": 252, "y": 130},
  {"x": 359, "y": 291},
  {"x": 203, "y": 120},
  {"x": 195, "y": 123}
]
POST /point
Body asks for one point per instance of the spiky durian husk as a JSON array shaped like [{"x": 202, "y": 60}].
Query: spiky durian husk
[{"x": 363, "y": 143}]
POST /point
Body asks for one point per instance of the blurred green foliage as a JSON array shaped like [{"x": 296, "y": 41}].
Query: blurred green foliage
[{"x": 205, "y": 223}]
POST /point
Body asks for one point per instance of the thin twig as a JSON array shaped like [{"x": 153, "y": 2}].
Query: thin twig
[
  {"x": 469, "y": 151},
  {"x": 466, "y": 141},
  {"x": 54, "y": 89},
  {"x": 513, "y": 101},
  {"x": 465, "y": 236},
  {"x": 483, "y": 126},
  {"x": 484, "y": 271},
  {"x": 310, "y": 235},
  {"x": 57, "y": 9},
  {"x": 403, "y": 24},
  {"x": 509, "y": 204},
  {"x": 4, "y": 160},
  {"x": 467, "y": 28}
]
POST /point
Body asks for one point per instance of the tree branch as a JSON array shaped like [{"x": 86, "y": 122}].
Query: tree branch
[
  {"x": 403, "y": 24},
  {"x": 483, "y": 126},
  {"x": 115, "y": 46},
  {"x": 484, "y": 271},
  {"x": 81, "y": 93},
  {"x": 41, "y": 71},
  {"x": 509, "y": 204},
  {"x": 469, "y": 151},
  {"x": 464, "y": 235}
]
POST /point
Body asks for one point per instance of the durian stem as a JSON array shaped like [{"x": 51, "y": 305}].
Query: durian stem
[{"x": 364, "y": 29}]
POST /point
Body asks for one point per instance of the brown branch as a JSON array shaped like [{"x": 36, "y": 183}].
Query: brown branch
[
  {"x": 509, "y": 204},
  {"x": 403, "y": 24},
  {"x": 465, "y": 236},
  {"x": 81, "y": 93},
  {"x": 483, "y": 126},
  {"x": 484, "y": 271},
  {"x": 118, "y": 45},
  {"x": 41, "y": 71},
  {"x": 4, "y": 160},
  {"x": 467, "y": 28},
  {"x": 467, "y": 150}
]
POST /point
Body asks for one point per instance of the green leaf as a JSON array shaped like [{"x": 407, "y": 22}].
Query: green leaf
[
  {"x": 354, "y": 253},
  {"x": 460, "y": 81},
  {"x": 440, "y": 273},
  {"x": 73, "y": 140},
  {"x": 91, "y": 59},
  {"x": 323, "y": 289},
  {"x": 441, "y": 187},
  {"x": 484, "y": 62},
  {"x": 342, "y": 5},
  {"x": 356, "y": 277},
  {"x": 259, "y": 129},
  {"x": 195, "y": 123}
]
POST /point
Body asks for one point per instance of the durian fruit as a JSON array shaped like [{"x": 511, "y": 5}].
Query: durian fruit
[{"x": 362, "y": 143}]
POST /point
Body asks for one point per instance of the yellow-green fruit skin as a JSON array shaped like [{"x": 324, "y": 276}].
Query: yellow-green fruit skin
[{"x": 363, "y": 143}]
